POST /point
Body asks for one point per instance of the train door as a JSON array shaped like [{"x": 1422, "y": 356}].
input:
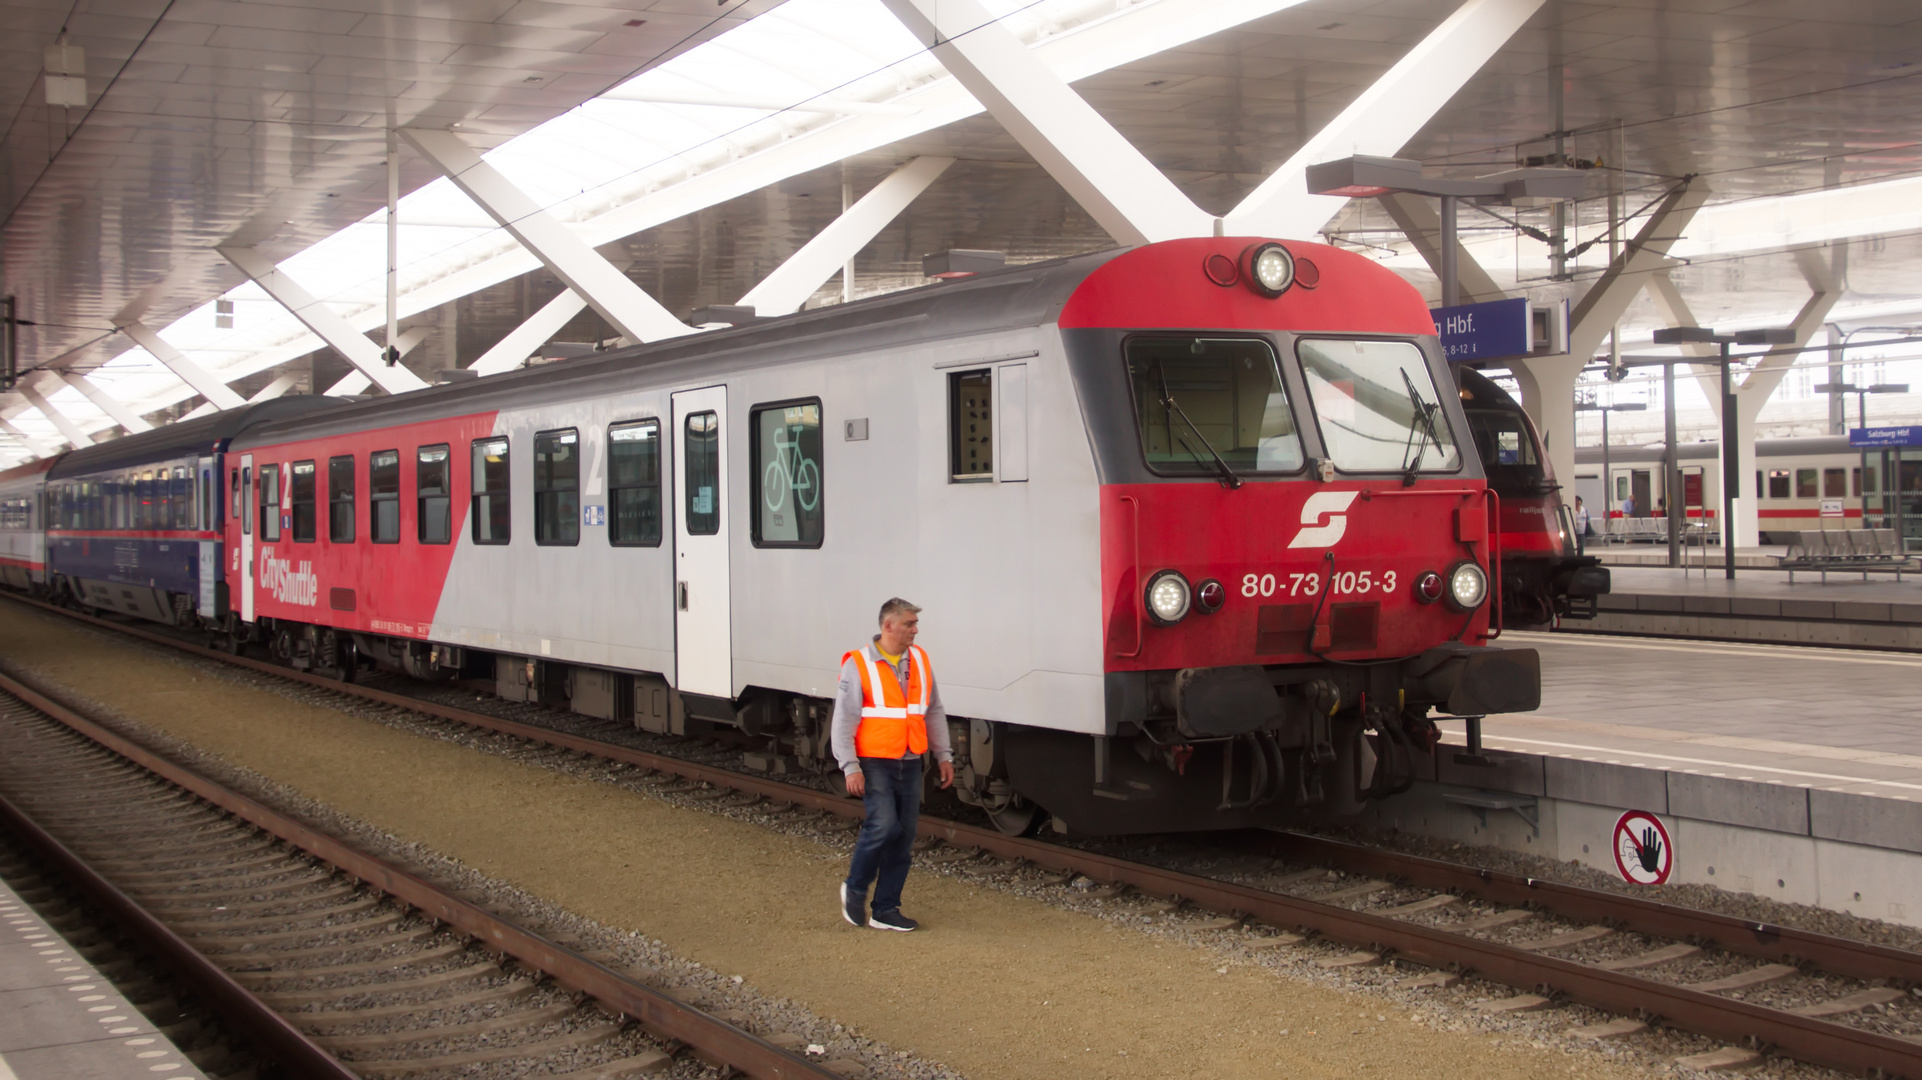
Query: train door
[
  {"x": 1640, "y": 487},
  {"x": 207, "y": 491},
  {"x": 703, "y": 638},
  {"x": 246, "y": 538}
]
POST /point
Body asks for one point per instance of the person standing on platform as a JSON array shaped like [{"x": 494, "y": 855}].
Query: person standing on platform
[
  {"x": 1583, "y": 527},
  {"x": 887, "y": 714}
]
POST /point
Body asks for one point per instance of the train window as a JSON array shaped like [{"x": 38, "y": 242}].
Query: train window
[
  {"x": 233, "y": 499},
  {"x": 1198, "y": 398},
  {"x": 785, "y": 474},
  {"x": 1805, "y": 484},
  {"x": 493, "y": 514},
  {"x": 971, "y": 426},
  {"x": 340, "y": 499},
  {"x": 557, "y": 487},
  {"x": 634, "y": 484},
  {"x": 247, "y": 495},
  {"x": 1858, "y": 479},
  {"x": 183, "y": 497},
  {"x": 301, "y": 501},
  {"x": 1778, "y": 484},
  {"x": 1377, "y": 406},
  {"x": 701, "y": 455},
  {"x": 269, "y": 503},
  {"x": 434, "y": 495},
  {"x": 1835, "y": 483},
  {"x": 383, "y": 496}
]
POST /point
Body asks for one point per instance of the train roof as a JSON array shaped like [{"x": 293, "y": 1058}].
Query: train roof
[
  {"x": 1793, "y": 446},
  {"x": 173, "y": 441},
  {"x": 1021, "y": 296}
]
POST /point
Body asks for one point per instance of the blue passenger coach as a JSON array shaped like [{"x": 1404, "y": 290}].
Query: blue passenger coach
[{"x": 133, "y": 525}]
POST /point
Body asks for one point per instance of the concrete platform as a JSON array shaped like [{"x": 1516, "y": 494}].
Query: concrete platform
[
  {"x": 60, "y": 1020},
  {"x": 1761, "y": 606},
  {"x": 1789, "y": 772}
]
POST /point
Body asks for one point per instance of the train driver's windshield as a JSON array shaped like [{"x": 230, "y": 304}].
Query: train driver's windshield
[
  {"x": 1205, "y": 403},
  {"x": 1377, "y": 406}
]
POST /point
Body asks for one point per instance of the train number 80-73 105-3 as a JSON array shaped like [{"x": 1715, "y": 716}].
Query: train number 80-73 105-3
[{"x": 1310, "y": 583}]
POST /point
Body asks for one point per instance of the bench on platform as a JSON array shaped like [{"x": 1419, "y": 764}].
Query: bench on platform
[{"x": 1847, "y": 550}]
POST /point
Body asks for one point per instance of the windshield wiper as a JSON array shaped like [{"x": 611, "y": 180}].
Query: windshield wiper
[
  {"x": 1228, "y": 478},
  {"x": 1425, "y": 414}
]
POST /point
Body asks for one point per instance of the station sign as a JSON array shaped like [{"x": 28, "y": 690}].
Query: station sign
[
  {"x": 1496, "y": 330},
  {"x": 1884, "y": 436},
  {"x": 1643, "y": 852}
]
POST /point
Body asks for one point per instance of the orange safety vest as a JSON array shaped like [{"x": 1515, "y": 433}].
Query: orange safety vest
[{"x": 893, "y": 722}]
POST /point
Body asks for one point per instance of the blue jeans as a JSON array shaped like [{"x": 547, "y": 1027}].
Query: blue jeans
[{"x": 885, "y": 847}]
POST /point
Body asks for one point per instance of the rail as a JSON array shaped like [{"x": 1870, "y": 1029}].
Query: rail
[{"x": 653, "y": 1009}]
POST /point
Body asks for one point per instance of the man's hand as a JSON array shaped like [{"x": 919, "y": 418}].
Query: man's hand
[
  {"x": 858, "y": 784},
  {"x": 947, "y": 774}
]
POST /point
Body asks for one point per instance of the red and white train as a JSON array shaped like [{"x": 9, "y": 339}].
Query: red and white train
[{"x": 1199, "y": 533}]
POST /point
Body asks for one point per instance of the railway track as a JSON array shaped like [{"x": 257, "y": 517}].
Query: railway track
[
  {"x": 336, "y": 962},
  {"x": 1763, "y": 989}
]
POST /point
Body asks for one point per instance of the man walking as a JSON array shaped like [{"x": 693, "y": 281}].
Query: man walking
[{"x": 887, "y": 714}]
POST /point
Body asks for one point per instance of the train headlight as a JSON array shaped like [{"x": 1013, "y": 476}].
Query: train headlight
[
  {"x": 1169, "y": 597},
  {"x": 1467, "y": 587},
  {"x": 1268, "y": 268},
  {"x": 1428, "y": 587}
]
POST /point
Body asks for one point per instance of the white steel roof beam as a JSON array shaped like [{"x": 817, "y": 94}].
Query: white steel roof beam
[
  {"x": 1384, "y": 118},
  {"x": 355, "y": 382},
  {"x": 59, "y": 419},
  {"x": 511, "y": 351},
  {"x": 357, "y": 347},
  {"x": 1101, "y": 170},
  {"x": 792, "y": 282},
  {"x": 132, "y": 421},
  {"x": 34, "y": 446},
  {"x": 610, "y": 292},
  {"x": 1417, "y": 220},
  {"x": 203, "y": 382}
]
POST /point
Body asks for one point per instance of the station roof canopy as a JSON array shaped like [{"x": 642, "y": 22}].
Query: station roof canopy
[{"x": 700, "y": 144}]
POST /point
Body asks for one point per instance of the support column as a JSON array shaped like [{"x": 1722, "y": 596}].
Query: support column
[
  {"x": 59, "y": 419},
  {"x": 204, "y": 383},
  {"x": 1385, "y": 117},
  {"x": 1548, "y": 395},
  {"x": 357, "y": 347},
  {"x": 1123, "y": 191},
  {"x": 829, "y": 252},
  {"x": 112, "y": 406},
  {"x": 638, "y": 316}
]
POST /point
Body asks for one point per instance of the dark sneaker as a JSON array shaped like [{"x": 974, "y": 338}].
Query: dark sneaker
[
  {"x": 892, "y": 920},
  {"x": 851, "y": 908}
]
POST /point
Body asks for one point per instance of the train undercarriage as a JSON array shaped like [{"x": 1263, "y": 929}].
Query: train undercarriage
[{"x": 1198, "y": 748}]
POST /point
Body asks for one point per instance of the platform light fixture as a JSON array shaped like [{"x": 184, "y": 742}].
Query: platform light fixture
[
  {"x": 1364, "y": 176},
  {"x": 1731, "y": 418},
  {"x": 1861, "y": 395}
]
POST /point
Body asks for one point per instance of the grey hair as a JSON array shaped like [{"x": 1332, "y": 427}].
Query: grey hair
[{"x": 896, "y": 606}]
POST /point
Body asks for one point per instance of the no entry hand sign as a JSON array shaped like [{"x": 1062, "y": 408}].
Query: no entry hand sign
[{"x": 1643, "y": 852}]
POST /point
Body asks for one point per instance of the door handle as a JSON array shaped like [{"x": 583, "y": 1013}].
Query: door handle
[{"x": 683, "y": 596}]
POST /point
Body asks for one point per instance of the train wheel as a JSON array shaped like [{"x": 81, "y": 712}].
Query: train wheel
[{"x": 1018, "y": 818}]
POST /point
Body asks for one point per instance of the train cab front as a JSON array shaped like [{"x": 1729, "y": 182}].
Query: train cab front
[{"x": 1296, "y": 557}]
